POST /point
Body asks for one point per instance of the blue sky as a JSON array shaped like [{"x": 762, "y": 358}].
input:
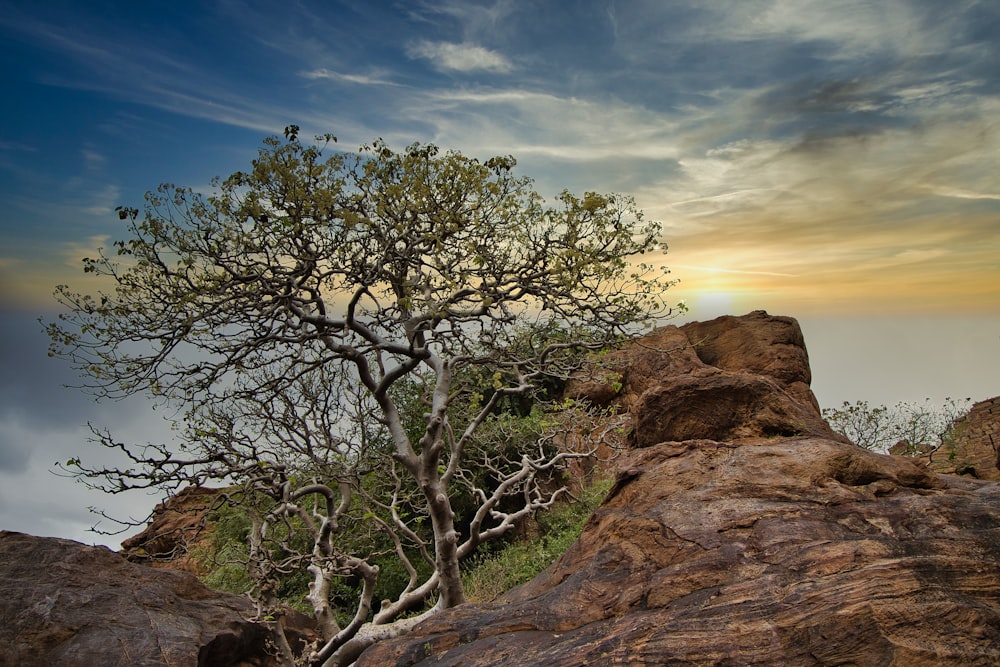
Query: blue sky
[{"x": 831, "y": 160}]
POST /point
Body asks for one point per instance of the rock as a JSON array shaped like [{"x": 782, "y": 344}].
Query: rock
[
  {"x": 740, "y": 530},
  {"x": 177, "y": 527},
  {"x": 731, "y": 377},
  {"x": 743, "y": 531},
  {"x": 788, "y": 551},
  {"x": 63, "y": 603},
  {"x": 976, "y": 450},
  {"x": 721, "y": 406},
  {"x": 760, "y": 344},
  {"x": 624, "y": 374}
]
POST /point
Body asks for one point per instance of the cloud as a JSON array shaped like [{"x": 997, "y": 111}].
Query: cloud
[
  {"x": 793, "y": 138},
  {"x": 472, "y": 20},
  {"x": 43, "y": 422},
  {"x": 447, "y": 56},
  {"x": 74, "y": 251},
  {"x": 959, "y": 193},
  {"x": 547, "y": 126},
  {"x": 17, "y": 146},
  {"x": 14, "y": 454},
  {"x": 103, "y": 201},
  {"x": 846, "y": 30},
  {"x": 34, "y": 500},
  {"x": 122, "y": 68},
  {"x": 717, "y": 269},
  {"x": 27, "y": 281},
  {"x": 93, "y": 160},
  {"x": 324, "y": 73}
]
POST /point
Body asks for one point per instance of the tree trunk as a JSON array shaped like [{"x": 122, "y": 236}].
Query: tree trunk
[
  {"x": 445, "y": 543},
  {"x": 370, "y": 634}
]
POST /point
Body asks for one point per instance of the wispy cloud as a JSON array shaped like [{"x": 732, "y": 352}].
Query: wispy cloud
[
  {"x": 547, "y": 125},
  {"x": 847, "y": 30},
  {"x": 122, "y": 68},
  {"x": 93, "y": 160},
  {"x": 73, "y": 252},
  {"x": 719, "y": 269},
  {"x": 103, "y": 201},
  {"x": 16, "y": 146},
  {"x": 364, "y": 80},
  {"x": 959, "y": 193},
  {"x": 448, "y": 56},
  {"x": 776, "y": 140}
]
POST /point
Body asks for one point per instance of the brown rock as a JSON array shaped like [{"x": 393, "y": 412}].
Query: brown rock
[
  {"x": 757, "y": 343},
  {"x": 176, "y": 529},
  {"x": 721, "y": 406},
  {"x": 63, "y": 603},
  {"x": 976, "y": 450},
  {"x": 731, "y": 377},
  {"x": 744, "y": 532},
  {"x": 626, "y": 373},
  {"x": 795, "y": 551}
]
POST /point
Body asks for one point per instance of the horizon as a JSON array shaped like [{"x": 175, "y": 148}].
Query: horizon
[{"x": 833, "y": 163}]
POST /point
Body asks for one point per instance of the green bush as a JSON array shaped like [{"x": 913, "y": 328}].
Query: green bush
[
  {"x": 493, "y": 574},
  {"x": 488, "y": 575}
]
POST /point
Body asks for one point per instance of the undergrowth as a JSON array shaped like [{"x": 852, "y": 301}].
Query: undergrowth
[
  {"x": 491, "y": 575},
  {"x": 488, "y": 575}
]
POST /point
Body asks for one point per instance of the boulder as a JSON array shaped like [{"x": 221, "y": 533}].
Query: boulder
[
  {"x": 63, "y": 603},
  {"x": 743, "y": 531},
  {"x": 730, "y": 377},
  {"x": 176, "y": 529},
  {"x": 721, "y": 406},
  {"x": 771, "y": 346},
  {"x": 976, "y": 449}
]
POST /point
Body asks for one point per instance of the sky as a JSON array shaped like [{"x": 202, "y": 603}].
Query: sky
[{"x": 832, "y": 160}]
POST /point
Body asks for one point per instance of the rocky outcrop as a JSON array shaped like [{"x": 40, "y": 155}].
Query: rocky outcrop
[
  {"x": 63, "y": 603},
  {"x": 976, "y": 448},
  {"x": 742, "y": 531},
  {"x": 176, "y": 529},
  {"x": 732, "y": 377}
]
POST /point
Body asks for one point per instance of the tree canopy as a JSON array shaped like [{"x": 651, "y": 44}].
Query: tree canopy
[
  {"x": 336, "y": 331},
  {"x": 908, "y": 427}
]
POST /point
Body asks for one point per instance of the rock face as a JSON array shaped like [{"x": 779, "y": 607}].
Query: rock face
[
  {"x": 177, "y": 526},
  {"x": 976, "y": 451},
  {"x": 63, "y": 603},
  {"x": 742, "y": 531},
  {"x": 728, "y": 378}
]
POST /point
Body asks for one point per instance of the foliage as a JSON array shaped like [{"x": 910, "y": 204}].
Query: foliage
[
  {"x": 487, "y": 576},
  {"x": 921, "y": 427},
  {"x": 338, "y": 335},
  {"x": 493, "y": 574}
]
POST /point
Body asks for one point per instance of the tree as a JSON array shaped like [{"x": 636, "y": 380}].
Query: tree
[
  {"x": 865, "y": 425},
  {"x": 290, "y": 317},
  {"x": 923, "y": 427}
]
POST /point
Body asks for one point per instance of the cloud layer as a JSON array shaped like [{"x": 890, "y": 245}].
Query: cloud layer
[{"x": 843, "y": 150}]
